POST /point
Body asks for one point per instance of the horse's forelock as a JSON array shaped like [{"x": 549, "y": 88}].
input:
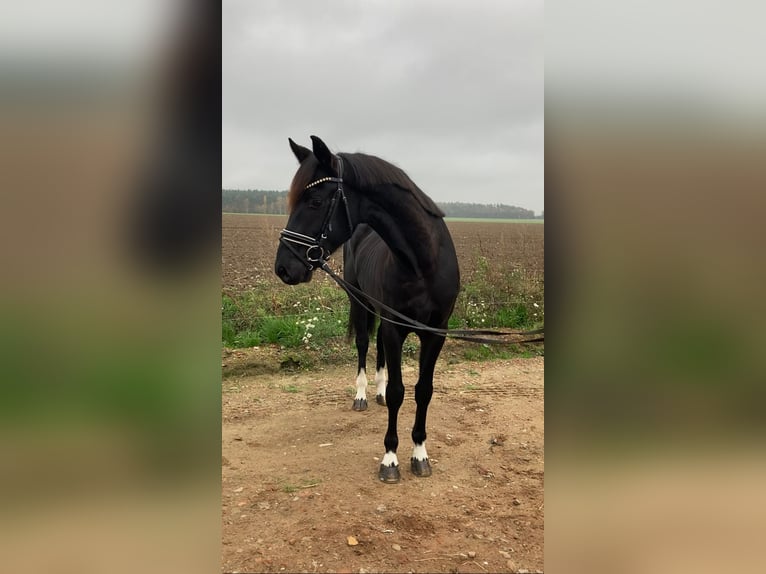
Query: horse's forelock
[{"x": 301, "y": 179}]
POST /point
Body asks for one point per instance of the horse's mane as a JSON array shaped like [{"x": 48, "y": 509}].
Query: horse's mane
[
  {"x": 371, "y": 171},
  {"x": 362, "y": 171}
]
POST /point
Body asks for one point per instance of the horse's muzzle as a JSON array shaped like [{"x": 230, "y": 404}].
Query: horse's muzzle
[{"x": 293, "y": 275}]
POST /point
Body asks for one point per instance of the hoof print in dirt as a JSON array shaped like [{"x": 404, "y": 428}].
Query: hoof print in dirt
[
  {"x": 360, "y": 404},
  {"x": 420, "y": 467},
  {"x": 389, "y": 474},
  {"x": 381, "y": 400}
]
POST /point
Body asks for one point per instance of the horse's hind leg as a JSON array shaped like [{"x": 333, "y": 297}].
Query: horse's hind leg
[
  {"x": 393, "y": 338},
  {"x": 430, "y": 347},
  {"x": 381, "y": 376},
  {"x": 360, "y": 318}
]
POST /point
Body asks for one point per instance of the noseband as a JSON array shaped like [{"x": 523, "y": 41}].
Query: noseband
[{"x": 315, "y": 252}]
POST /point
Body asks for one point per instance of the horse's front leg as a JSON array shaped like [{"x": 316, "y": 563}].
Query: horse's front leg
[
  {"x": 393, "y": 338},
  {"x": 430, "y": 347}
]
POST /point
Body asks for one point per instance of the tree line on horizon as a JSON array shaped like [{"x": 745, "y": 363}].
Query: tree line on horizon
[{"x": 275, "y": 202}]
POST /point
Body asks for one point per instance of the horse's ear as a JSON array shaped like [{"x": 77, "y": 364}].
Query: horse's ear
[
  {"x": 301, "y": 153},
  {"x": 323, "y": 153}
]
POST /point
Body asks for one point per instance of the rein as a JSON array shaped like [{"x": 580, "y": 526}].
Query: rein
[
  {"x": 463, "y": 334},
  {"x": 290, "y": 238}
]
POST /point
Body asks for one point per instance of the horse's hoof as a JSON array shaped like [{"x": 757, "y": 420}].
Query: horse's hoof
[
  {"x": 389, "y": 474},
  {"x": 360, "y": 404},
  {"x": 381, "y": 400},
  {"x": 420, "y": 467}
]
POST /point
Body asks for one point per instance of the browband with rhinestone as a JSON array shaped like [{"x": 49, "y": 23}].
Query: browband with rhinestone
[{"x": 322, "y": 180}]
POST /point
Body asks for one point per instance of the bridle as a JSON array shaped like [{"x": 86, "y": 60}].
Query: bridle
[
  {"x": 315, "y": 253},
  {"x": 291, "y": 238}
]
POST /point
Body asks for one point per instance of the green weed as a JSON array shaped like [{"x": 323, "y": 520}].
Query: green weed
[
  {"x": 280, "y": 330},
  {"x": 290, "y": 488},
  {"x": 492, "y": 352}
]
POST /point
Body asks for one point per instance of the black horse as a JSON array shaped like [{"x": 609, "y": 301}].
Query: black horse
[{"x": 403, "y": 256}]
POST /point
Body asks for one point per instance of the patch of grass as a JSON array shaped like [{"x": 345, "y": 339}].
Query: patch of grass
[
  {"x": 290, "y": 388},
  {"x": 486, "y": 352},
  {"x": 516, "y": 315},
  {"x": 529, "y": 352},
  {"x": 492, "y": 299},
  {"x": 247, "y": 339},
  {"x": 281, "y": 330},
  {"x": 410, "y": 346},
  {"x": 304, "y": 483},
  {"x": 228, "y": 334},
  {"x": 288, "y": 317}
]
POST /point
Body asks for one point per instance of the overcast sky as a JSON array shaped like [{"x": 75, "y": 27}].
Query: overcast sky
[{"x": 451, "y": 92}]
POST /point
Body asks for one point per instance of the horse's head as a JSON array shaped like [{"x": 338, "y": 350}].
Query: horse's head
[{"x": 319, "y": 214}]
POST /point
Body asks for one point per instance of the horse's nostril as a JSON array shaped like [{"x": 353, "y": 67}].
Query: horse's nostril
[{"x": 282, "y": 272}]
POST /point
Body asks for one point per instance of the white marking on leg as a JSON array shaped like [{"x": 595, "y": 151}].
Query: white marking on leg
[
  {"x": 419, "y": 452},
  {"x": 381, "y": 380},
  {"x": 361, "y": 385},
  {"x": 389, "y": 459}
]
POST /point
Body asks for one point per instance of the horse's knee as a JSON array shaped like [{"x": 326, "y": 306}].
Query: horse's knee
[
  {"x": 362, "y": 345},
  {"x": 423, "y": 393},
  {"x": 394, "y": 395}
]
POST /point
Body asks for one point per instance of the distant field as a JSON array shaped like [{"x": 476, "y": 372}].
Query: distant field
[
  {"x": 465, "y": 219},
  {"x": 225, "y": 213},
  {"x": 497, "y": 249},
  {"x": 492, "y": 220}
]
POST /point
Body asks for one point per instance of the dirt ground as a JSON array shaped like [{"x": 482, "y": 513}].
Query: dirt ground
[{"x": 300, "y": 473}]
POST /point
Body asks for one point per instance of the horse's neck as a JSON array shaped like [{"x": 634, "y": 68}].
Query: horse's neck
[{"x": 405, "y": 227}]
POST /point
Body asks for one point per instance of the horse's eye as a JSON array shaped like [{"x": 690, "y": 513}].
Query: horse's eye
[{"x": 315, "y": 202}]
